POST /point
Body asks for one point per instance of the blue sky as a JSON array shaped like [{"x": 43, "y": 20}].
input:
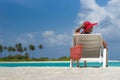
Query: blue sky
[{"x": 52, "y": 23}]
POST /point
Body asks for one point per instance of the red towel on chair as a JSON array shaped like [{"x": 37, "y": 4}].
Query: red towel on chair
[{"x": 76, "y": 52}]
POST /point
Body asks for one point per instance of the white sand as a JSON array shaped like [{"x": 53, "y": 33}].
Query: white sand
[{"x": 59, "y": 73}]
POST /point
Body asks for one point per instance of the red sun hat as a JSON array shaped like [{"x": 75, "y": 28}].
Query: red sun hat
[{"x": 88, "y": 25}]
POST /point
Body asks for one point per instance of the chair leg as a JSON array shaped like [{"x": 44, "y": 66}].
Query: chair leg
[
  {"x": 78, "y": 64},
  {"x": 85, "y": 64},
  {"x": 105, "y": 58},
  {"x": 71, "y": 63}
]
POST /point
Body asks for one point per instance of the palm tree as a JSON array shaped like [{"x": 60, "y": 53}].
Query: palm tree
[
  {"x": 26, "y": 56},
  {"x": 31, "y": 47},
  {"x": 9, "y": 49},
  {"x": 1, "y": 48},
  {"x": 5, "y": 47},
  {"x": 19, "y": 47},
  {"x": 13, "y": 49},
  {"x": 40, "y": 46}
]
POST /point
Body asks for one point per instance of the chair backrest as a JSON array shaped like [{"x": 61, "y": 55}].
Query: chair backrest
[{"x": 92, "y": 44}]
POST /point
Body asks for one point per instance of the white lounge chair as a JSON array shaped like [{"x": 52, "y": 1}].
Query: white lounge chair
[{"x": 92, "y": 48}]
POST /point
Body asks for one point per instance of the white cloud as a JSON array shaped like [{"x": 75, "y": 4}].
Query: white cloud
[
  {"x": 30, "y": 36},
  {"x": 91, "y": 11},
  {"x": 48, "y": 33},
  {"x": 107, "y": 16},
  {"x": 49, "y": 38},
  {"x": 54, "y": 39},
  {"x": 26, "y": 38}
]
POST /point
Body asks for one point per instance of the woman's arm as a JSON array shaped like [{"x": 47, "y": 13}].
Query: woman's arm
[
  {"x": 78, "y": 29},
  {"x": 105, "y": 44}
]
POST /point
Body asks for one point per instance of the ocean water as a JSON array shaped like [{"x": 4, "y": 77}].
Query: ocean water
[{"x": 55, "y": 64}]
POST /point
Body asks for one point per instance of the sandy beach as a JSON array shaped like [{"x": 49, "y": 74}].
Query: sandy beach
[{"x": 59, "y": 73}]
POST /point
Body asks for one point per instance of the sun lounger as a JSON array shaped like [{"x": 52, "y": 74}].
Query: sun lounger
[{"x": 92, "y": 48}]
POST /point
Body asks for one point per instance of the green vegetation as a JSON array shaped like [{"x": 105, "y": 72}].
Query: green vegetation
[
  {"x": 21, "y": 53},
  {"x": 25, "y": 57}
]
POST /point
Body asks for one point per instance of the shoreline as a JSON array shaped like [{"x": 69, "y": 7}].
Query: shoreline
[{"x": 50, "y": 61}]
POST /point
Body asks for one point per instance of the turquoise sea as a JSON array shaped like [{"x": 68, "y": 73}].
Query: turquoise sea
[{"x": 56, "y": 64}]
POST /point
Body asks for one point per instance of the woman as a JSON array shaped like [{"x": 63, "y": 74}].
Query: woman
[{"x": 87, "y": 28}]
